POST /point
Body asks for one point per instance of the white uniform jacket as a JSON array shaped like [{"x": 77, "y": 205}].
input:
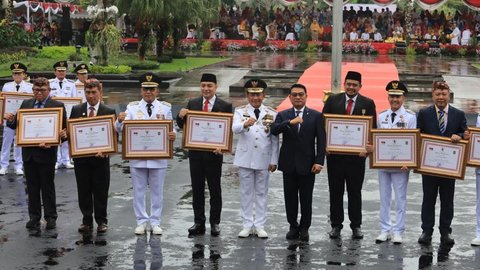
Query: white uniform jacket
[
  {"x": 257, "y": 147},
  {"x": 25, "y": 87},
  {"x": 137, "y": 110},
  {"x": 68, "y": 88},
  {"x": 405, "y": 119}
]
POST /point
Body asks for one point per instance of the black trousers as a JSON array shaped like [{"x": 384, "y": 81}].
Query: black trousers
[
  {"x": 206, "y": 166},
  {"x": 93, "y": 181},
  {"x": 345, "y": 170},
  {"x": 41, "y": 189},
  {"x": 432, "y": 186},
  {"x": 295, "y": 185}
]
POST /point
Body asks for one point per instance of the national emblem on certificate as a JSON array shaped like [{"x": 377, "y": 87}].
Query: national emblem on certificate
[
  {"x": 208, "y": 131},
  {"x": 92, "y": 135},
  {"x": 147, "y": 139}
]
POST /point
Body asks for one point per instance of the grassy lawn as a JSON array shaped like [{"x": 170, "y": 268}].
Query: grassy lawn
[
  {"x": 44, "y": 59},
  {"x": 476, "y": 65}
]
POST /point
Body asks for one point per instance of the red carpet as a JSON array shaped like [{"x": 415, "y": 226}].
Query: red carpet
[{"x": 374, "y": 79}]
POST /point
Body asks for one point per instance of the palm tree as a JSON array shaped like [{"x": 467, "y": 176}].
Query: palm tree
[
  {"x": 165, "y": 16},
  {"x": 9, "y": 11}
]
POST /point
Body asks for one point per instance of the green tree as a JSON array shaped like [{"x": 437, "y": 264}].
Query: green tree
[{"x": 166, "y": 16}]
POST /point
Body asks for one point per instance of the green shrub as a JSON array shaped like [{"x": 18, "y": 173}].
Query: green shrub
[
  {"x": 164, "y": 59},
  {"x": 179, "y": 55},
  {"x": 311, "y": 47},
  {"x": 60, "y": 53},
  {"x": 411, "y": 50},
  {"x": 462, "y": 51},
  {"x": 74, "y": 57},
  {"x": 146, "y": 65},
  {"x": 12, "y": 57},
  {"x": 206, "y": 46},
  {"x": 14, "y": 35},
  {"x": 121, "y": 69}
]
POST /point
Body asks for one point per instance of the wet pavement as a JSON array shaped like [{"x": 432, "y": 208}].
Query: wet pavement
[{"x": 119, "y": 248}]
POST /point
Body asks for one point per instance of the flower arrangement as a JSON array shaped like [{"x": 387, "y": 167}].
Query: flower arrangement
[{"x": 358, "y": 48}]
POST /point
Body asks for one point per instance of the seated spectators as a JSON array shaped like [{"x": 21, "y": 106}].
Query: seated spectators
[
  {"x": 191, "y": 32},
  {"x": 377, "y": 37},
  {"x": 314, "y": 30},
  {"x": 466, "y": 36},
  {"x": 365, "y": 36},
  {"x": 353, "y": 35}
]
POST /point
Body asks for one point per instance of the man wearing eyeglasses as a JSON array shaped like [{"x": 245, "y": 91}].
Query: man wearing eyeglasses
[
  {"x": 302, "y": 155},
  {"x": 440, "y": 119},
  {"x": 348, "y": 170},
  {"x": 39, "y": 161}
]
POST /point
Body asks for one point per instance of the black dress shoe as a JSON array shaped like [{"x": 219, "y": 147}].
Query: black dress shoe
[
  {"x": 303, "y": 235},
  {"x": 292, "y": 234},
  {"x": 102, "y": 228},
  {"x": 51, "y": 224},
  {"x": 196, "y": 229},
  {"x": 215, "y": 229},
  {"x": 357, "y": 233},
  {"x": 85, "y": 228},
  {"x": 335, "y": 232},
  {"x": 447, "y": 239},
  {"x": 425, "y": 238},
  {"x": 33, "y": 224}
]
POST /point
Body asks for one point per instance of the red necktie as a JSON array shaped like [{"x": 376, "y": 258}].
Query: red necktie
[
  {"x": 349, "y": 106},
  {"x": 92, "y": 112},
  {"x": 205, "y": 106}
]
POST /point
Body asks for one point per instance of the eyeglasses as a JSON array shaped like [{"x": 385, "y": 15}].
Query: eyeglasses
[{"x": 299, "y": 94}]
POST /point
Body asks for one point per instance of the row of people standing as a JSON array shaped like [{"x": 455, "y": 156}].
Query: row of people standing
[
  {"x": 300, "y": 157},
  {"x": 60, "y": 87}
]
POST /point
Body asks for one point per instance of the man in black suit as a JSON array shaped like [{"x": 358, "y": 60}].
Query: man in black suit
[
  {"x": 440, "y": 119},
  {"x": 39, "y": 161},
  {"x": 301, "y": 157},
  {"x": 92, "y": 173},
  {"x": 205, "y": 164},
  {"x": 347, "y": 169}
]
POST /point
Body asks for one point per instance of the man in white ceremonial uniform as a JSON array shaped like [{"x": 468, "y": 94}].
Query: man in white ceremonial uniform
[
  {"x": 256, "y": 155},
  {"x": 20, "y": 86},
  {"x": 395, "y": 117},
  {"x": 148, "y": 172},
  {"x": 82, "y": 76},
  {"x": 62, "y": 87},
  {"x": 476, "y": 241}
]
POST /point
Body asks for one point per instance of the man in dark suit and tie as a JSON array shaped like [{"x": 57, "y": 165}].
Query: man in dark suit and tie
[
  {"x": 440, "y": 119},
  {"x": 39, "y": 161},
  {"x": 348, "y": 170},
  {"x": 206, "y": 164},
  {"x": 301, "y": 157},
  {"x": 92, "y": 173}
]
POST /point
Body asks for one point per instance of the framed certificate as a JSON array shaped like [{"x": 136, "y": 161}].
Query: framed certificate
[
  {"x": 440, "y": 157},
  {"x": 91, "y": 135},
  {"x": 13, "y": 100},
  {"x": 474, "y": 147},
  {"x": 208, "y": 131},
  {"x": 147, "y": 139},
  {"x": 347, "y": 134},
  {"x": 69, "y": 102},
  {"x": 2, "y": 106},
  {"x": 80, "y": 88},
  {"x": 395, "y": 148},
  {"x": 35, "y": 126}
]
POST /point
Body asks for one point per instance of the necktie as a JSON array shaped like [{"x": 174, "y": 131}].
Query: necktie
[
  {"x": 441, "y": 121},
  {"x": 297, "y": 113},
  {"x": 18, "y": 87},
  {"x": 149, "y": 109},
  {"x": 38, "y": 104},
  {"x": 60, "y": 83},
  {"x": 349, "y": 107},
  {"x": 205, "y": 106},
  {"x": 393, "y": 116},
  {"x": 92, "y": 112},
  {"x": 257, "y": 113}
]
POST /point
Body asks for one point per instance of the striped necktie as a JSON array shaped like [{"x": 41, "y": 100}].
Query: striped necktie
[{"x": 441, "y": 121}]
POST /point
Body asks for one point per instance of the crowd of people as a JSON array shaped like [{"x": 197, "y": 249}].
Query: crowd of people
[
  {"x": 300, "y": 156},
  {"x": 311, "y": 23}
]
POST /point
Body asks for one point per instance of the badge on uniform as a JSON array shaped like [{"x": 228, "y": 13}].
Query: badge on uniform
[
  {"x": 267, "y": 120},
  {"x": 160, "y": 116},
  {"x": 401, "y": 123},
  {"x": 139, "y": 114}
]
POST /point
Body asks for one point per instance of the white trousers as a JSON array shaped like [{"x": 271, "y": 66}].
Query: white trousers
[
  {"x": 141, "y": 177},
  {"x": 8, "y": 140},
  {"x": 477, "y": 172},
  {"x": 398, "y": 180},
  {"x": 253, "y": 191},
  {"x": 63, "y": 156}
]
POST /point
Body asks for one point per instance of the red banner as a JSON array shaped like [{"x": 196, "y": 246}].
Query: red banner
[
  {"x": 430, "y": 4},
  {"x": 473, "y": 4},
  {"x": 383, "y": 2}
]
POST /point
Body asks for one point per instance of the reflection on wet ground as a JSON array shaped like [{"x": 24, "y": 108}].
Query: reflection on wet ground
[{"x": 119, "y": 248}]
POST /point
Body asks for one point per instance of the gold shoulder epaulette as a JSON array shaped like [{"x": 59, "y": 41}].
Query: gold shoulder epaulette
[{"x": 166, "y": 103}]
